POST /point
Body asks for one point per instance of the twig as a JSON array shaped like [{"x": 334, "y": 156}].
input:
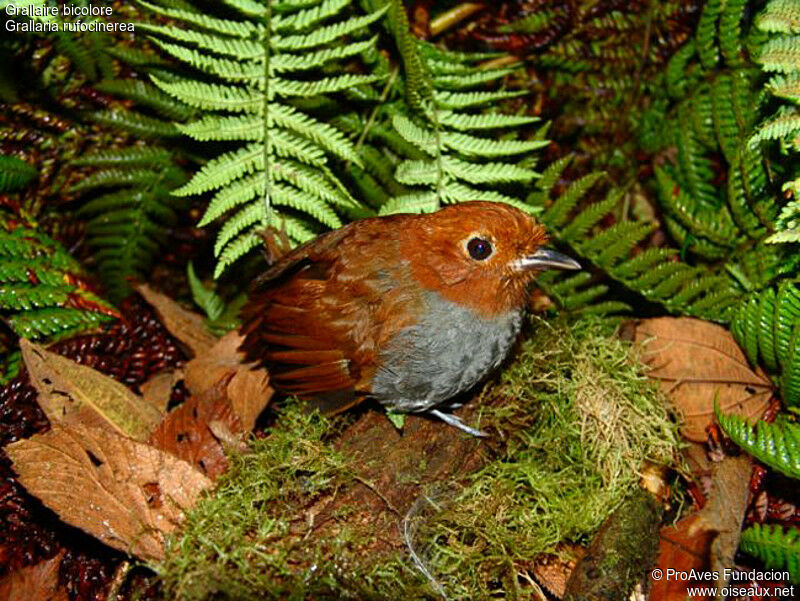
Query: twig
[
  {"x": 120, "y": 575},
  {"x": 454, "y": 16},
  {"x": 382, "y": 497}
]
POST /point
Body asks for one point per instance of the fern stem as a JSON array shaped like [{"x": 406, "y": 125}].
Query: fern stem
[
  {"x": 374, "y": 114},
  {"x": 439, "y": 162},
  {"x": 265, "y": 121}
]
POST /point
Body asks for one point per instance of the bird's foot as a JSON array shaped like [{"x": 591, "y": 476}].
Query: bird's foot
[{"x": 456, "y": 422}]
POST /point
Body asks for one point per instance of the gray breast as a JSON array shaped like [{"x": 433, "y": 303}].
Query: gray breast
[{"x": 448, "y": 352}]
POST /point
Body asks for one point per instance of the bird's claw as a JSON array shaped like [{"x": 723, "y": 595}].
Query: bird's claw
[{"x": 456, "y": 422}]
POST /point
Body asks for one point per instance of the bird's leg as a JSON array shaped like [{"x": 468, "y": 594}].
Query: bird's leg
[{"x": 456, "y": 422}]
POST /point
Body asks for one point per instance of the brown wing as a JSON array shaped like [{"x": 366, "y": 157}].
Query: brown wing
[{"x": 314, "y": 318}]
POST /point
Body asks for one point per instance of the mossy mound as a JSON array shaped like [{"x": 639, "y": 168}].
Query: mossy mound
[{"x": 574, "y": 418}]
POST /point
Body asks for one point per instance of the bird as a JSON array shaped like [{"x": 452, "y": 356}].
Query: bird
[{"x": 409, "y": 309}]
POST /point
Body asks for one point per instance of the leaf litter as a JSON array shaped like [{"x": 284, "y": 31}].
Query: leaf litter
[
  {"x": 132, "y": 495},
  {"x": 74, "y": 393},
  {"x": 114, "y": 463},
  {"x": 698, "y": 363},
  {"x": 125, "y": 493}
]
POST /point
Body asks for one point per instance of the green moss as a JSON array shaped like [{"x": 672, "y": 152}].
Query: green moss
[
  {"x": 577, "y": 422},
  {"x": 585, "y": 420}
]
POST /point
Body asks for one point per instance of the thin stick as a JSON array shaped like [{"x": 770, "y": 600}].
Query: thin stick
[{"x": 454, "y": 16}]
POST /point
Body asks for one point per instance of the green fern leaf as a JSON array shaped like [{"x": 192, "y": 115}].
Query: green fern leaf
[
  {"x": 145, "y": 94},
  {"x": 776, "y": 546},
  {"x": 461, "y": 100},
  {"x": 135, "y": 123},
  {"x": 42, "y": 288},
  {"x": 15, "y": 173},
  {"x": 254, "y": 66},
  {"x": 776, "y": 445}
]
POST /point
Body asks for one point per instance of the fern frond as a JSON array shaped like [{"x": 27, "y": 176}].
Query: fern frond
[
  {"x": 255, "y": 70},
  {"x": 212, "y": 304},
  {"x": 730, "y": 30},
  {"x": 776, "y": 546},
  {"x": 717, "y": 226},
  {"x": 781, "y": 54},
  {"x": 776, "y": 445},
  {"x": 329, "y": 33},
  {"x": 146, "y": 94},
  {"x": 54, "y": 324},
  {"x": 766, "y": 327},
  {"x": 779, "y": 16},
  {"x": 135, "y": 123},
  {"x": 707, "y": 33},
  {"x": 462, "y": 100},
  {"x": 127, "y": 226},
  {"x": 43, "y": 293},
  {"x": 15, "y": 173},
  {"x": 416, "y": 202},
  {"x": 653, "y": 273},
  {"x": 467, "y": 122},
  {"x": 133, "y": 156}
]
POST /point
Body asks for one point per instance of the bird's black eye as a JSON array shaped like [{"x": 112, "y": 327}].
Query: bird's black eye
[{"x": 479, "y": 249}]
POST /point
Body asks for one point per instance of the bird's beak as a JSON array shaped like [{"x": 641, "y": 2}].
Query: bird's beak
[{"x": 546, "y": 259}]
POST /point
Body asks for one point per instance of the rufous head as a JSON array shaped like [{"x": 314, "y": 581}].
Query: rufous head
[{"x": 480, "y": 254}]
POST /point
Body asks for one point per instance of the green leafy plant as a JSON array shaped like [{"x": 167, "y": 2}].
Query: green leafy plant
[
  {"x": 461, "y": 150},
  {"x": 43, "y": 292},
  {"x": 250, "y": 79},
  {"x": 780, "y": 55},
  {"x": 301, "y": 125},
  {"x": 655, "y": 273},
  {"x": 15, "y": 173},
  {"x": 698, "y": 128},
  {"x": 131, "y": 211},
  {"x": 777, "y": 445},
  {"x": 221, "y": 317},
  {"x": 776, "y": 546},
  {"x": 767, "y": 327}
]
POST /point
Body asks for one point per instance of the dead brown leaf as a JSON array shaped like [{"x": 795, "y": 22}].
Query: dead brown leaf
[
  {"x": 683, "y": 552},
  {"x": 158, "y": 389},
  {"x": 706, "y": 541},
  {"x": 697, "y": 364},
  {"x": 34, "y": 583},
  {"x": 73, "y": 393},
  {"x": 247, "y": 388},
  {"x": 126, "y": 493},
  {"x": 186, "y": 326},
  {"x": 186, "y": 431},
  {"x": 724, "y": 511},
  {"x": 552, "y": 572}
]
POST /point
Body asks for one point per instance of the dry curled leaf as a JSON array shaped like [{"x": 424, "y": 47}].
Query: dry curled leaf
[
  {"x": 158, "y": 389},
  {"x": 247, "y": 388},
  {"x": 706, "y": 541},
  {"x": 187, "y": 434},
  {"x": 34, "y": 583},
  {"x": 73, "y": 393},
  {"x": 126, "y": 493},
  {"x": 697, "y": 364},
  {"x": 723, "y": 513},
  {"x": 186, "y": 326}
]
